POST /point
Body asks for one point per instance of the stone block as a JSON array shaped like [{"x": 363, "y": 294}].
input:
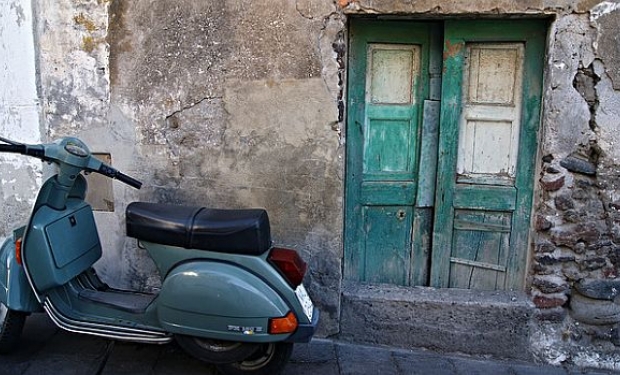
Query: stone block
[
  {"x": 592, "y": 264},
  {"x": 564, "y": 202},
  {"x": 598, "y": 289},
  {"x": 545, "y": 247},
  {"x": 456, "y": 320},
  {"x": 554, "y": 315},
  {"x": 578, "y": 165},
  {"x": 549, "y": 302},
  {"x": 550, "y": 284},
  {"x": 594, "y": 311}
]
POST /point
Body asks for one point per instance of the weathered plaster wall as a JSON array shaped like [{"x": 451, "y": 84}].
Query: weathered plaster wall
[
  {"x": 234, "y": 104},
  {"x": 19, "y": 112}
]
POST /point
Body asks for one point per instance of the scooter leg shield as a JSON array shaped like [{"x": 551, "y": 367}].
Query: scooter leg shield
[
  {"x": 15, "y": 291},
  {"x": 219, "y": 301}
]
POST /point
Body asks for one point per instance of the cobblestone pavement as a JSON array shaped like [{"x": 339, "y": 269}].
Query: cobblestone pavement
[{"x": 45, "y": 349}]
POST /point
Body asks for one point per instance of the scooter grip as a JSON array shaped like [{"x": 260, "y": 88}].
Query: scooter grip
[
  {"x": 128, "y": 180},
  {"x": 17, "y": 149}
]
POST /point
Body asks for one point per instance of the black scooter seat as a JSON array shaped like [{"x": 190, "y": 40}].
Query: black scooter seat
[{"x": 232, "y": 231}]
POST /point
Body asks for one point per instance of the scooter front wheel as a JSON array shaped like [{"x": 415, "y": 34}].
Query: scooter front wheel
[
  {"x": 11, "y": 325},
  {"x": 269, "y": 359}
]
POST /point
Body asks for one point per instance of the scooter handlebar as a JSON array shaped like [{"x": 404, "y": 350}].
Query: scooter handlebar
[
  {"x": 30, "y": 150},
  {"x": 128, "y": 180},
  {"x": 113, "y": 173},
  {"x": 17, "y": 149}
]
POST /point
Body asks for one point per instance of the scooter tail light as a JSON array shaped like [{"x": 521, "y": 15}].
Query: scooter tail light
[
  {"x": 290, "y": 264},
  {"x": 18, "y": 251},
  {"x": 286, "y": 324}
]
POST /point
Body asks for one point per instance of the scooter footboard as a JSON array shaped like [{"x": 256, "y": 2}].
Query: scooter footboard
[{"x": 219, "y": 300}]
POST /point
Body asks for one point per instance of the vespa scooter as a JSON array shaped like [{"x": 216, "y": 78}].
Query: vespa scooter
[{"x": 227, "y": 295}]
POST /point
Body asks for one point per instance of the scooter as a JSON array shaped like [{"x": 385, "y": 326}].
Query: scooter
[{"x": 227, "y": 296}]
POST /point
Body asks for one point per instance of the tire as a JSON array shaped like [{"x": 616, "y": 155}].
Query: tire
[
  {"x": 269, "y": 359},
  {"x": 216, "y": 351},
  {"x": 11, "y": 325}
]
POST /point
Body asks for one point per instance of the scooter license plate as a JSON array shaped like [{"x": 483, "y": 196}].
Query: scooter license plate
[{"x": 305, "y": 301}]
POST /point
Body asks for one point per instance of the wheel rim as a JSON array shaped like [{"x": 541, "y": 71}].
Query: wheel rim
[
  {"x": 217, "y": 346},
  {"x": 258, "y": 360}
]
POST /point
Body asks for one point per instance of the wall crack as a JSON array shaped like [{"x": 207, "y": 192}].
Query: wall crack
[{"x": 190, "y": 106}]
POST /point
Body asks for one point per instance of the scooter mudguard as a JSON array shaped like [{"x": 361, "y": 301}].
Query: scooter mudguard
[
  {"x": 15, "y": 292},
  {"x": 219, "y": 301}
]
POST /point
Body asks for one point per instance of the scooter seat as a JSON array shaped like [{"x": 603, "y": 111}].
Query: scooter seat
[{"x": 232, "y": 231}]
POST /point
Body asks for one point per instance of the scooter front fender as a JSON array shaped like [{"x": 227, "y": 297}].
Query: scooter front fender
[
  {"x": 219, "y": 300},
  {"x": 15, "y": 291}
]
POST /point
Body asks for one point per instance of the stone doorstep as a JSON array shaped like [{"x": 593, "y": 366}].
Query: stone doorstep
[{"x": 488, "y": 323}]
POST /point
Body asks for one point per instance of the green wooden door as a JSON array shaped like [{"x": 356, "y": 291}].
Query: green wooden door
[
  {"x": 477, "y": 84},
  {"x": 489, "y": 121},
  {"x": 389, "y": 85}
]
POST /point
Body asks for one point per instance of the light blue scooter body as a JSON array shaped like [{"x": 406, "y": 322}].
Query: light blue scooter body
[
  {"x": 204, "y": 293},
  {"x": 221, "y": 295}
]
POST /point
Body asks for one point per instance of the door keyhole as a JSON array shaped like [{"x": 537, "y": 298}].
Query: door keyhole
[{"x": 400, "y": 214}]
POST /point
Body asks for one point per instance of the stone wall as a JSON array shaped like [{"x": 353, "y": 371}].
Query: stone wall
[{"x": 576, "y": 219}]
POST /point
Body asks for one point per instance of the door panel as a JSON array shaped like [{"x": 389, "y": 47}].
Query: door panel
[
  {"x": 388, "y": 146},
  {"x": 489, "y": 129},
  {"x": 388, "y": 244},
  {"x": 481, "y": 245},
  {"x": 388, "y": 83},
  {"x": 392, "y": 70},
  {"x": 493, "y": 79}
]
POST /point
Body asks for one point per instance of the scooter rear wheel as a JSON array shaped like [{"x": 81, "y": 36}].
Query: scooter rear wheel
[
  {"x": 269, "y": 359},
  {"x": 11, "y": 325},
  {"x": 216, "y": 351}
]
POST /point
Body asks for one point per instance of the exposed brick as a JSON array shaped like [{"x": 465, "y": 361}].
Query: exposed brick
[
  {"x": 544, "y": 302},
  {"x": 610, "y": 272},
  {"x": 552, "y": 182},
  {"x": 542, "y": 223}
]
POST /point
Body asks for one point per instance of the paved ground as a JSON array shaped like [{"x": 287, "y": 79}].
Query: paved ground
[{"x": 47, "y": 350}]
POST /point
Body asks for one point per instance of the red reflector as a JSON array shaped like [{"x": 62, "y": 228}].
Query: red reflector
[
  {"x": 291, "y": 265},
  {"x": 286, "y": 324},
  {"x": 18, "y": 251}
]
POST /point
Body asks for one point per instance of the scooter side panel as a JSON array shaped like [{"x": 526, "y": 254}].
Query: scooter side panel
[
  {"x": 15, "y": 291},
  {"x": 61, "y": 244},
  {"x": 218, "y": 300}
]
